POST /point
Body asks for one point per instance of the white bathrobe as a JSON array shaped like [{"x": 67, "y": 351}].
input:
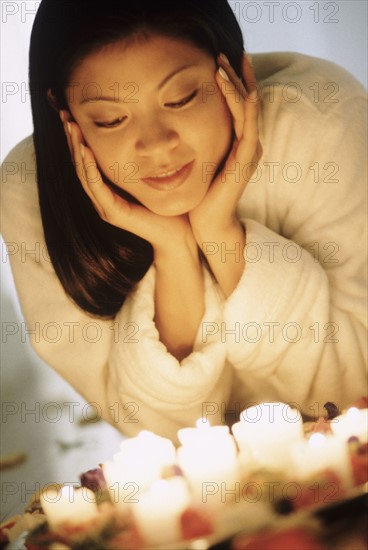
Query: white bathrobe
[{"x": 295, "y": 328}]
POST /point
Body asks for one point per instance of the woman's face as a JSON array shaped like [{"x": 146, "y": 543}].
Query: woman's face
[{"x": 155, "y": 119}]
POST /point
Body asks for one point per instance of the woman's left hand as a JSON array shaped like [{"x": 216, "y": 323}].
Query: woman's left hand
[
  {"x": 214, "y": 223},
  {"x": 217, "y": 211}
]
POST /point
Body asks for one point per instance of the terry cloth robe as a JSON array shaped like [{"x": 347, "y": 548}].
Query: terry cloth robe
[{"x": 293, "y": 330}]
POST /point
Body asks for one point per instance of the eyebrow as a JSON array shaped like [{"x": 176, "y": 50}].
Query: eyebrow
[{"x": 161, "y": 85}]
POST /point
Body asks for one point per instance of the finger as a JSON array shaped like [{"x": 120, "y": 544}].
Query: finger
[
  {"x": 246, "y": 151},
  {"x": 111, "y": 207},
  {"x": 233, "y": 100},
  {"x": 250, "y": 139},
  {"x": 251, "y": 118},
  {"x": 87, "y": 170},
  {"x": 251, "y": 83},
  {"x": 249, "y": 76},
  {"x": 249, "y": 107},
  {"x": 223, "y": 62}
]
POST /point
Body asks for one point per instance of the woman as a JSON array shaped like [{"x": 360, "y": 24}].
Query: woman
[{"x": 203, "y": 232}]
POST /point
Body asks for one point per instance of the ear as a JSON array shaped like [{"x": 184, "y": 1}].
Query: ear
[{"x": 52, "y": 100}]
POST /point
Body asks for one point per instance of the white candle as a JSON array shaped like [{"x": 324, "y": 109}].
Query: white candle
[
  {"x": 203, "y": 430},
  {"x": 211, "y": 475},
  {"x": 139, "y": 463},
  {"x": 353, "y": 423},
  {"x": 321, "y": 452},
  {"x": 207, "y": 438},
  {"x": 68, "y": 505},
  {"x": 267, "y": 432},
  {"x": 158, "y": 512},
  {"x": 208, "y": 459}
]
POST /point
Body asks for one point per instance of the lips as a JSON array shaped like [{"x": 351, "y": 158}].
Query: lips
[{"x": 168, "y": 179}]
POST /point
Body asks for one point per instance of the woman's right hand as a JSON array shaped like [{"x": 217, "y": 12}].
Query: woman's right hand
[
  {"x": 179, "y": 286},
  {"x": 114, "y": 209}
]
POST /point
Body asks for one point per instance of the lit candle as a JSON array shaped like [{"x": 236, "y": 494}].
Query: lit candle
[
  {"x": 353, "y": 423},
  {"x": 158, "y": 512},
  {"x": 321, "y": 452},
  {"x": 208, "y": 459},
  {"x": 68, "y": 505},
  {"x": 138, "y": 464},
  {"x": 267, "y": 431},
  {"x": 203, "y": 431}
]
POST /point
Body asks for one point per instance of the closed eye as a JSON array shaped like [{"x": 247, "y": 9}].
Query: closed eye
[
  {"x": 110, "y": 124},
  {"x": 174, "y": 105},
  {"x": 183, "y": 101}
]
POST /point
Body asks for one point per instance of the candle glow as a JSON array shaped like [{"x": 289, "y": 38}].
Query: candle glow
[
  {"x": 68, "y": 505},
  {"x": 139, "y": 463},
  {"x": 208, "y": 455},
  {"x": 158, "y": 511},
  {"x": 321, "y": 452},
  {"x": 354, "y": 423},
  {"x": 266, "y": 432},
  {"x": 268, "y": 436}
]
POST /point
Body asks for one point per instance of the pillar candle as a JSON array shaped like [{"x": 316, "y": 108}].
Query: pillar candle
[
  {"x": 68, "y": 505},
  {"x": 321, "y": 452},
  {"x": 208, "y": 459},
  {"x": 157, "y": 514},
  {"x": 137, "y": 465},
  {"x": 266, "y": 431},
  {"x": 353, "y": 423}
]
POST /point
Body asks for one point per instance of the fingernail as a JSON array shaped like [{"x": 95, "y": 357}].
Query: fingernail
[
  {"x": 224, "y": 58},
  {"x": 81, "y": 150},
  {"x": 68, "y": 125},
  {"x": 62, "y": 116},
  {"x": 223, "y": 74}
]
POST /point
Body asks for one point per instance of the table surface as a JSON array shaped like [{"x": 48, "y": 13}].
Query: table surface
[{"x": 40, "y": 416}]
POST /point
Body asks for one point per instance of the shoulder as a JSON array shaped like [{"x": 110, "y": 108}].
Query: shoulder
[
  {"x": 313, "y": 133},
  {"x": 19, "y": 167},
  {"x": 298, "y": 76},
  {"x": 19, "y": 194},
  {"x": 307, "y": 100},
  {"x": 21, "y": 152}
]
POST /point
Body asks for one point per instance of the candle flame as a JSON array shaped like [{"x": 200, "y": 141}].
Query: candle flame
[
  {"x": 317, "y": 440},
  {"x": 160, "y": 486},
  {"x": 203, "y": 424},
  {"x": 67, "y": 492},
  {"x": 352, "y": 413}
]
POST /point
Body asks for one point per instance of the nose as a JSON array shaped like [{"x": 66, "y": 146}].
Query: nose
[{"x": 156, "y": 137}]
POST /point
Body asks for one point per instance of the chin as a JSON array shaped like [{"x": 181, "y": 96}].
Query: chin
[
  {"x": 170, "y": 211},
  {"x": 175, "y": 208}
]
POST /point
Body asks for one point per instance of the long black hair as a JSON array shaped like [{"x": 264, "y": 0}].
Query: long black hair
[{"x": 99, "y": 264}]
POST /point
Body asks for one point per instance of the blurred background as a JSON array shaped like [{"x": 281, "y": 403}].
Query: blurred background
[
  {"x": 35, "y": 419},
  {"x": 334, "y": 30}
]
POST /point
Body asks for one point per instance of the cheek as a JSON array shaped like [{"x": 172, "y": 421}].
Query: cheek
[{"x": 112, "y": 161}]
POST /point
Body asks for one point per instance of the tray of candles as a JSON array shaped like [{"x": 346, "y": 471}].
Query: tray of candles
[{"x": 270, "y": 482}]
